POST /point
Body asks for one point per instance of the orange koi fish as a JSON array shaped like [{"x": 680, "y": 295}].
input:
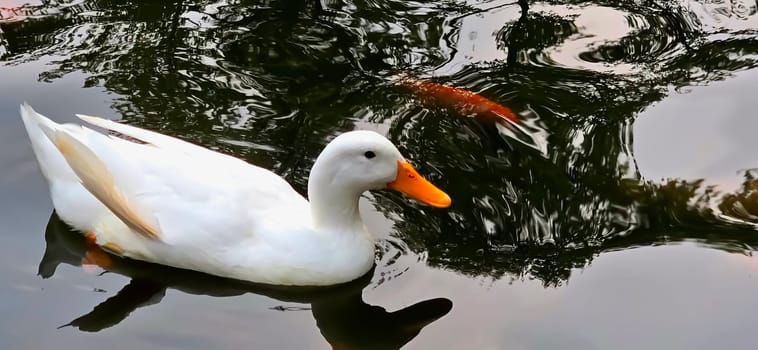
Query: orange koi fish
[
  {"x": 467, "y": 103},
  {"x": 462, "y": 101}
]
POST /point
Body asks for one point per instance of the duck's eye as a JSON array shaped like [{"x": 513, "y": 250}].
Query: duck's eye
[{"x": 369, "y": 154}]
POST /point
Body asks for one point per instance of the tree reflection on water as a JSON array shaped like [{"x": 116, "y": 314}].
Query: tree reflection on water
[{"x": 273, "y": 81}]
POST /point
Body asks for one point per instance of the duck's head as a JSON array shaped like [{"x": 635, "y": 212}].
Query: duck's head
[{"x": 359, "y": 161}]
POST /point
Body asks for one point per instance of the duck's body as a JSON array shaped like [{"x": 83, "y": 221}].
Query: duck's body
[{"x": 170, "y": 202}]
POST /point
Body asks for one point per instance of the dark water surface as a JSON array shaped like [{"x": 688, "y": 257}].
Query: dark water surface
[{"x": 633, "y": 228}]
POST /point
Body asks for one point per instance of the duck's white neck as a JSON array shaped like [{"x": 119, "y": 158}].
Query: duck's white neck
[{"x": 334, "y": 206}]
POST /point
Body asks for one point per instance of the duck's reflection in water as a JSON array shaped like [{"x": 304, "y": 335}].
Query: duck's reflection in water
[{"x": 342, "y": 316}]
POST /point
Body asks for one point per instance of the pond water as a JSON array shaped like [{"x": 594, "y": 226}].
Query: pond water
[{"x": 631, "y": 226}]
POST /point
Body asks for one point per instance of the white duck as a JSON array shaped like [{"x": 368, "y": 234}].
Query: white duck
[{"x": 170, "y": 202}]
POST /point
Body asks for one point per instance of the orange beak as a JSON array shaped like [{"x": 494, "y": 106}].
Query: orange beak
[{"x": 409, "y": 182}]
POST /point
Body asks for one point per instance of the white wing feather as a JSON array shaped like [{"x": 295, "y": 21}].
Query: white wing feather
[
  {"x": 187, "y": 195},
  {"x": 97, "y": 179}
]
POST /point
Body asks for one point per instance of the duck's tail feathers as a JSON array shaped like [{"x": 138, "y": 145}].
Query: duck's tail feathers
[
  {"x": 51, "y": 162},
  {"x": 66, "y": 160}
]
